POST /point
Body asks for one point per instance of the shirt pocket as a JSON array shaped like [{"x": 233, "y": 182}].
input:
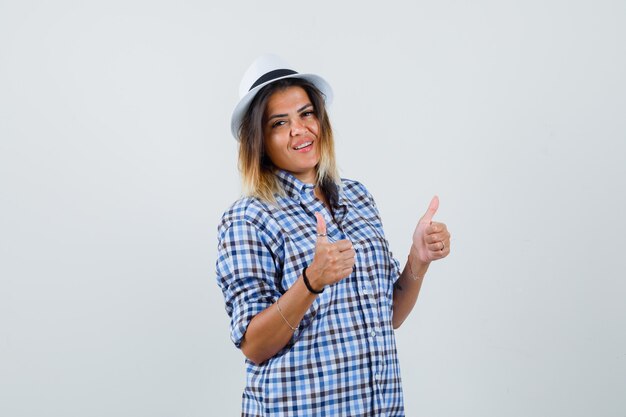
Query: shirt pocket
[{"x": 376, "y": 266}]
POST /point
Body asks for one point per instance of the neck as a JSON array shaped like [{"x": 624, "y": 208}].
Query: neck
[{"x": 307, "y": 178}]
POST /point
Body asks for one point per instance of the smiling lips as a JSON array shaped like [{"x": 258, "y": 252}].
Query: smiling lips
[{"x": 304, "y": 146}]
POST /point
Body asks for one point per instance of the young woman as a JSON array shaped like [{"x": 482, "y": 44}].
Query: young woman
[{"x": 310, "y": 284}]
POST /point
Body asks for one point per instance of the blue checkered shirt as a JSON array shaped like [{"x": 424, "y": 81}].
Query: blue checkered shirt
[{"x": 342, "y": 360}]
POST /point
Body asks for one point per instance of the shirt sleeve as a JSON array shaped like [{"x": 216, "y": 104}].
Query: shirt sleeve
[{"x": 246, "y": 273}]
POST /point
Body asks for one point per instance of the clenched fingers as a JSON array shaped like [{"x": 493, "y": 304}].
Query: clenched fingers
[
  {"x": 439, "y": 254},
  {"x": 342, "y": 245},
  {"x": 436, "y": 227},
  {"x": 436, "y": 237}
]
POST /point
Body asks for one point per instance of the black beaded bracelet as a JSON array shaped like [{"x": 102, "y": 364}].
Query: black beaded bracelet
[{"x": 308, "y": 284}]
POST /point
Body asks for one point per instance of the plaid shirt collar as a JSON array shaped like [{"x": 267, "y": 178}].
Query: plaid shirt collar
[{"x": 298, "y": 190}]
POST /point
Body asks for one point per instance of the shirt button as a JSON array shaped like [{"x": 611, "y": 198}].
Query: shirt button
[
  {"x": 373, "y": 333},
  {"x": 366, "y": 290}
]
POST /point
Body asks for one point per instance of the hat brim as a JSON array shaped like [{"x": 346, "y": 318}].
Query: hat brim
[{"x": 244, "y": 103}]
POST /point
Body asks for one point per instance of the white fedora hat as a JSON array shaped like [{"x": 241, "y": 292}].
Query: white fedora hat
[{"x": 263, "y": 71}]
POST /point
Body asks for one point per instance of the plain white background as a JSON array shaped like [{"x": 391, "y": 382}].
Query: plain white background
[{"x": 116, "y": 163}]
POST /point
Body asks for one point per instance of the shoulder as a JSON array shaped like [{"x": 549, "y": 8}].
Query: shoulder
[
  {"x": 249, "y": 212},
  {"x": 246, "y": 208},
  {"x": 355, "y": 192}
]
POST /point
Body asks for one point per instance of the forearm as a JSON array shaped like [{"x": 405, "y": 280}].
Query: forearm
[
  {"x": 407, "y": 288},
  {"x": 268, "y": 332}
]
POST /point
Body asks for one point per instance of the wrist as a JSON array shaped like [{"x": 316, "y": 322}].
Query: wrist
[
  {"x": 417, "y": 267},
  {"x": 311, "y": 283}
]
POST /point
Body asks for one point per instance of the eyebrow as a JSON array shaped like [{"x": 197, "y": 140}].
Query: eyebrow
[{"x": 300, "y": 110}]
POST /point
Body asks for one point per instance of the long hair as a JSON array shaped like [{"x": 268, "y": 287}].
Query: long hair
[{"x": 257, "y": 170}]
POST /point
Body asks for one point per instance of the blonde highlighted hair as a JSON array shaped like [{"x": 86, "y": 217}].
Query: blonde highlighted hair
[{"x": 257, "y": 170}]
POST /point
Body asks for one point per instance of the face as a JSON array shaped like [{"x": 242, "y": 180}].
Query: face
[{"x": 291, "y": 130}]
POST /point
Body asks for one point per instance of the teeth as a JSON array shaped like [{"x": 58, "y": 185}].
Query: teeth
[{"x": 304, "y": 145}]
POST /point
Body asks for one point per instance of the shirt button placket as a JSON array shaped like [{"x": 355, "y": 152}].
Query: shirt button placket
[{"x": 374, "y": 330}]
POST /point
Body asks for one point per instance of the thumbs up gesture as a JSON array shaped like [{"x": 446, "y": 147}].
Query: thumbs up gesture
[
  {"x": 332, "y": 262},
  {"x": 431, "y": 240}
]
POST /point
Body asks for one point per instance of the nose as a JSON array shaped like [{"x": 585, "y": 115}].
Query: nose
[{"x": 297, "y": 127}]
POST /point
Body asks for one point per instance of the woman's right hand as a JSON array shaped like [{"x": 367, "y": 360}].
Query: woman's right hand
[{"x": 332, "y": 261}]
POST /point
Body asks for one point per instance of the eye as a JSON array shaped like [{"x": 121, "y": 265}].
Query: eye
[{"x": 278, "y": 123}]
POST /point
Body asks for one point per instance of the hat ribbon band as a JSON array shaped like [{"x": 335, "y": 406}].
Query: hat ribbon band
[{"x": 269, "y": 76}]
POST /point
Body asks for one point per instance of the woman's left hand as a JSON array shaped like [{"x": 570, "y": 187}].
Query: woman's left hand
[{"x": 431, "y": 240}]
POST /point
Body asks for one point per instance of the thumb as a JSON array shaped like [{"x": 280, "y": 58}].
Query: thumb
[
  {"x": 321, "y": 228},
  {"x": 432, "y": 209}
]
